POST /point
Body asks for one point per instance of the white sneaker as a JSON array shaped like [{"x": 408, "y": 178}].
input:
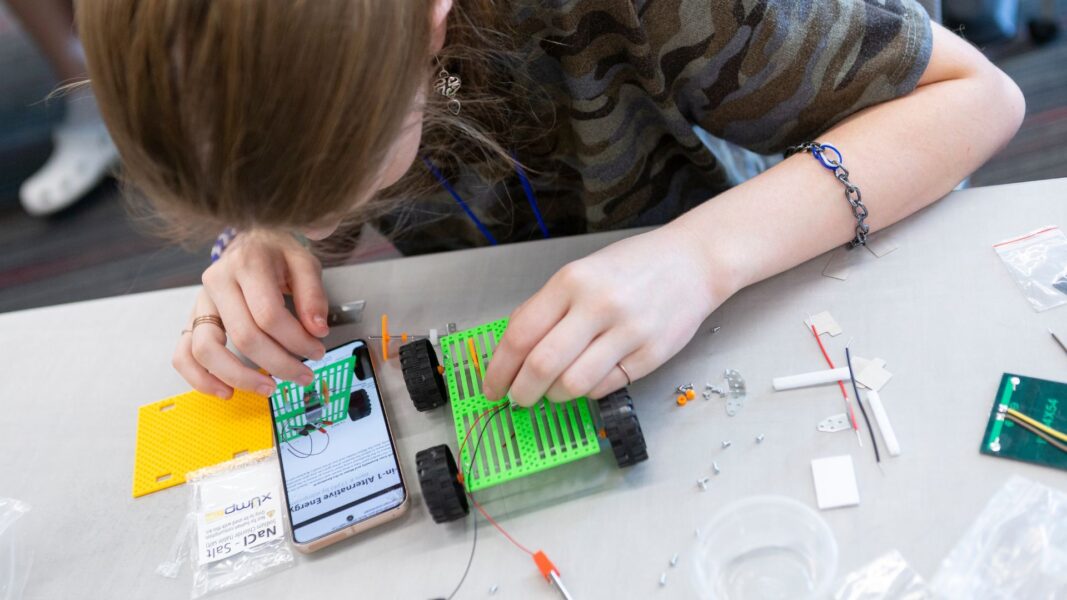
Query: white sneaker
[{"x": 82, "y": 156}]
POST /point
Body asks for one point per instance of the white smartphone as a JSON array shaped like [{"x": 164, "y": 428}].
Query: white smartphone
[{"x": 340, "y": 472}]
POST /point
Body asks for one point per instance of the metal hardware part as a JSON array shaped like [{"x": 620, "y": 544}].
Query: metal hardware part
[
  {"x": 345, "y": 314},
  {"x": 735, "y": 398},
  {"x": 726, "y": 444},
  {"x": 715, "y": 467},
  {"x": 834, "y": 423},
  {"x": 663, "y": 578},
  {"x": 759, "y": 438},
  {"x": 733, "y": 389},
  {"x": 702, "y": 483},
  {"x": 674, "y": 559}
]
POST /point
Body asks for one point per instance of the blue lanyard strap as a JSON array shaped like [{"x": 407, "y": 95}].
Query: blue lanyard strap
[
  {"x": 526, "y": 188},
  {"x": 444, "y": 183}
]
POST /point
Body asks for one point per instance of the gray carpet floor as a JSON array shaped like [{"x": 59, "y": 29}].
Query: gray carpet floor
[{"x": 93, "y": 250}]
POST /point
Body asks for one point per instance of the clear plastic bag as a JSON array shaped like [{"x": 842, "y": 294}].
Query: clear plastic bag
[
  {"x": 15, "y": 556},
  {"x": 888, "y": 577},
  {"x": 234, "y": 531},
  {"x": 1038, "y": 262},
  {"x": 1017, "y": 548}
]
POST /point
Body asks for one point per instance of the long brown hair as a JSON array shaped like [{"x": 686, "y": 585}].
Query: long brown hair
[{"x": 278, "y": 113}]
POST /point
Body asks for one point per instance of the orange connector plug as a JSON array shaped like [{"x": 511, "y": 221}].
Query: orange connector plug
[{"x": 550, "y": 572}]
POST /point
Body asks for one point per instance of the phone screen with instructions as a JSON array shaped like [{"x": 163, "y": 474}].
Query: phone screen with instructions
[{"x": 337, "y": 456}]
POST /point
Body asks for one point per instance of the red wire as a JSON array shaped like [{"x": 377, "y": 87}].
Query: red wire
[
  {"x": 471, "y": 496},
  {"x": 471, "y": 430},
  {"x": 497, "y": 525},
  {"x": 841, "y": 384}
]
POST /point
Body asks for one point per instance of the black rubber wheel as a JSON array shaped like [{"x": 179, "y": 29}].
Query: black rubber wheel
[
  {"x": 622, "y": 428},
  {"x": 441, "y": 490},
  {"x": 426, "y": 386},
  {"x": 358, "y": 405}
]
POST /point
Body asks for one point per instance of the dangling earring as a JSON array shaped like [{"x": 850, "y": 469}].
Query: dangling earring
[{"x": 447, "y": 85}]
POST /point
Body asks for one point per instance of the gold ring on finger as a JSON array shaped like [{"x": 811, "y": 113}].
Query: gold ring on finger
[{"x": 212, "y": 319}]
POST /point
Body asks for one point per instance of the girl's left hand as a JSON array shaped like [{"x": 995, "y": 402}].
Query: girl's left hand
[{"x": 636, "y": 302}]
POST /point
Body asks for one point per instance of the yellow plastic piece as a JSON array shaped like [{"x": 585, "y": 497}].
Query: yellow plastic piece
[
  {"x": 690, "y": 394},
  {"x": 385, "y": 337},
  {"x": 473, "y": 355},
  {"x": 190, "y": 431},
  {"x": 682, "y": 400}
]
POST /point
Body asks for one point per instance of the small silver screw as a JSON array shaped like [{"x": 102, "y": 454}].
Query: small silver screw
[
  {"x": 663, "y": 579},
  {"x": 726, "y": 444},
  {"x": 674, "y": 559},
  {"x": 683, "y": 388},
  {"x": 715, "y": 467},
  {"x": 703, "y": 483},
  {"x": 696, "y": 533},
  {"x": 759, "y": 438},
  {"x": 492, "y": 589}
]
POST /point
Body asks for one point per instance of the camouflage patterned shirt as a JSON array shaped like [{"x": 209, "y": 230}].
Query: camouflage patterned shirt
[{"x": 631, "y": 80}]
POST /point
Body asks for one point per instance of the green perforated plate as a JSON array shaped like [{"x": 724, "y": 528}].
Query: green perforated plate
[
  {"x": 517, "y": 442},
  {"x": 287, "y": 401}
]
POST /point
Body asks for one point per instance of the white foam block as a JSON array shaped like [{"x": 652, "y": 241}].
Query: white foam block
[
  {"x": 881, "y": 244},
  {"x": 840, "y": 263},
  {"x": 835, "y": 482},
  {"x": 824, "y": 323},
  {"x": 873, "y": 376},
  {"x": 882, "y": 418}
]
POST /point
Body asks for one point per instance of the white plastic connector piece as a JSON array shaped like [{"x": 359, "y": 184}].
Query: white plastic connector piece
[
  {"x": 882, "y": 418},
  {"x": 433, "y": 337},
  {"x": 808, "y": 379}
]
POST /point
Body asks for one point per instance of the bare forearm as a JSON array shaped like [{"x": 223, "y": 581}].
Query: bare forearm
[{"x": 903, "y": 154}]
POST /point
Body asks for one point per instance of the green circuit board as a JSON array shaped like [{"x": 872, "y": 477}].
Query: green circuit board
[
  {"x": 517, "y": 441},
  {"x": 326, "y": 397},
  {"x": 1038, "y": 399}
]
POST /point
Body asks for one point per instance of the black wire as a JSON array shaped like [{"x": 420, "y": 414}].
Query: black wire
[
  {"x": 855, "y": 390},
  {"x": 474, "y": 456},
  {"x": 1034, "y": 430},
  {"x": 311, "y": 449}
]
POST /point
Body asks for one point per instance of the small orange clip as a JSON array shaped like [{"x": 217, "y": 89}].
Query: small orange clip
[
  {"x": 385, "y": 337},
  {"x": 474, "y": 355}
]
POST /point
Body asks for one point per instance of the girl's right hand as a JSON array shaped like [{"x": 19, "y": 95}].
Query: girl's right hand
[{"x": 246, "y": 289}]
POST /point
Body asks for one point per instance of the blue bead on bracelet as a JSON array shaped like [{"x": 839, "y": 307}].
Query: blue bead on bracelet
[{"x": 221, "y": 242}]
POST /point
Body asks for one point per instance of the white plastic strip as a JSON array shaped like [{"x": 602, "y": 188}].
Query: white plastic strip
[
  {"x": 808, "y": 379},
  {"x": 884, "y": 425}
]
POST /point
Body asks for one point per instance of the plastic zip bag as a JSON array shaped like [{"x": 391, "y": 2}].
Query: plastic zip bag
[
  {"x": 234, "y": 532},
  {"x": 15, "y": 558},
  {"x": 888, "y": 577},
  {"x": 1038, "y": 263},
  {"x": 1017, "y": 548}
]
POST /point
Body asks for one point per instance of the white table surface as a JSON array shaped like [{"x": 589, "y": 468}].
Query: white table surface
[{"x": 942, "y": 310}]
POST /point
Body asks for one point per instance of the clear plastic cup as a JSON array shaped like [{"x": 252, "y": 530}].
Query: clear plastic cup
[{"x": 764, "y": 548}]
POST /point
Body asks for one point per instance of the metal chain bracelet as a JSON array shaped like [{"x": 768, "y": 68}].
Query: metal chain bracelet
[{"x": 852, "y": 192}]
